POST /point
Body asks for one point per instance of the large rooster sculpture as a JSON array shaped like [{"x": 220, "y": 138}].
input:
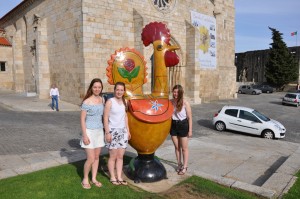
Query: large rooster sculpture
[{"x": 149, "y": 116}]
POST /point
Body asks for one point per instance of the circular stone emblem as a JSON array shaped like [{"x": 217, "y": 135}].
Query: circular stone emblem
[{"x": 164, "y": 6}]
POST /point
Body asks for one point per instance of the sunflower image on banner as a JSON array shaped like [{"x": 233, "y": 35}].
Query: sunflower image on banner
[
  {"x": 206, "y": 45},
  {"x": 204, "y": 39}
]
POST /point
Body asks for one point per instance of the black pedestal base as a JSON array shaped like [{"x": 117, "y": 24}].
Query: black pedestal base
[{"x": 145, "y": 168}]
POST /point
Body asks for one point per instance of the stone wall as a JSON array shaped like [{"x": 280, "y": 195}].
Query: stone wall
[
  {"x": 69, "y": 42},
  {"x": 47, "y": 47},
  {"x": 109, "y": 26}
]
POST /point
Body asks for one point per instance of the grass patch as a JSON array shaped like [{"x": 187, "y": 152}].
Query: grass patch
[
  {"x": 64, "y": 182},
  {"x": 294, "y": 192}
]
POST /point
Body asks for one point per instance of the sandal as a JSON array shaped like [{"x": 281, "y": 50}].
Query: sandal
[
  {"x": 97, "y": 184},
  {"x": 85, "y": 186},
  {"x": 182, "y": 171},
  {"x": 115, "y": 182},
  {"x": 122, "y": 182},
  {"x": 179, "y": 167}
]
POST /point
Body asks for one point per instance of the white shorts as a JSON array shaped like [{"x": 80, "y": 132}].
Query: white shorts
[{"x": 96, "y": 137}]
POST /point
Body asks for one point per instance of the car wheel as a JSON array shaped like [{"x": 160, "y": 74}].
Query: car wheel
[
  {"x": 283, "y": 103},
  {"x": 268, "y": 134},
  {"x": 268, "y": 91},
  {"x": 220, "y": 126},
  {"x": 253, "y": 93},
  {"x": 240, "y": 92}
]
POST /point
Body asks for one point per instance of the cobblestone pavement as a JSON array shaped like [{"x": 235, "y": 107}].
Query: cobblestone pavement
[{"x": 32, "y": 132}]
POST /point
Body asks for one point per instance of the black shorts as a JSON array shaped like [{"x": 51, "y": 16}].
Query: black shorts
[{"x": 180, "y": 128}]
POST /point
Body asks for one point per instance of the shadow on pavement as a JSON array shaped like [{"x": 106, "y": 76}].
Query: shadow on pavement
[
  {"x": 74, "y": 143},
  {"x": 269, "y": 172},
  {"x": 206, "y": 123},
  {"x": 276, "y": 102}
]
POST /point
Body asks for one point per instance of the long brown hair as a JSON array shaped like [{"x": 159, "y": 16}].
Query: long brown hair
[
  {"x": 123, "y": 98},
  {"x": 179, "y": 103},
  {"x": 89, "y": 92}
]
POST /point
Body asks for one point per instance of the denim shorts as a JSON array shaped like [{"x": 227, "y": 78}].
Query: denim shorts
[{"x": 180, "y": 128}]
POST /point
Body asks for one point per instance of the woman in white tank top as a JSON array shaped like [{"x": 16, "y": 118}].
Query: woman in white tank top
[
  {"x": 116, "y": 132},
  {"x": 181, "y": 129}
]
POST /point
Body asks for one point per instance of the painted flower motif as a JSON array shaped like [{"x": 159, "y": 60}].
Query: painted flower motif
[
  {"x": 129, "y": 71},
  {"x": 155, "y": 105},
  {"x": 129, "y": 65},
  {"x": 204, "y": 39}
]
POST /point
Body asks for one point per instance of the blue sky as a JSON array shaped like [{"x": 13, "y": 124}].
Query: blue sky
[
  {"x": 251, "y": 23},
  {"x": 254, "y": 16},
  {"x": 7, "y": 5}
]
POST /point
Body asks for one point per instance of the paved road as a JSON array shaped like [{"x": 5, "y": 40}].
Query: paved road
[{"x": 30, "y": 132}]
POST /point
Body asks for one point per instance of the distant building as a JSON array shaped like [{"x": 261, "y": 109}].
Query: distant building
[
  {"x": 6, "y": 80},
  {"x": 250, "y": 65}
]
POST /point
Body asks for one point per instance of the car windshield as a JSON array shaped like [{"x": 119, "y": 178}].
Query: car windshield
[
  {"x": 290, "y": 95},
  {"x": 261, "y": 116}
]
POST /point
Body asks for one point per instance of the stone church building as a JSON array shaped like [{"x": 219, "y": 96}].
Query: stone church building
[{"x": 68, "y": 42}]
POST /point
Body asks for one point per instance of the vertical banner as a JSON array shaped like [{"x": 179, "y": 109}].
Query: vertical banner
[{"x": 207, "y": 50}]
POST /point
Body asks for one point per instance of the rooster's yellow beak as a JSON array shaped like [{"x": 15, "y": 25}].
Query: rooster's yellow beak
[{"x": 172, "y": 48}]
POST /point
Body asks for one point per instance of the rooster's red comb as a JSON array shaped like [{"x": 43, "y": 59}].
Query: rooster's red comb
[{"x": 155, "y": 31}]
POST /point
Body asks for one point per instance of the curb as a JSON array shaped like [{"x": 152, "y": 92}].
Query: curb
[
  {"x": 39, "y": 161},
  {"x": 283, "y": 179},
  {"x": 285, "y": 173},
  {"x": 261, "y": 191}
]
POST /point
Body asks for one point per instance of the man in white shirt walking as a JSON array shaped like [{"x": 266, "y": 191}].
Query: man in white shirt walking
[{"x": 54, "y": 94}]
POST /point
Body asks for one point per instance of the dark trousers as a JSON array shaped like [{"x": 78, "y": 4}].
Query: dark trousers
[{"x": 54, "y": 99}]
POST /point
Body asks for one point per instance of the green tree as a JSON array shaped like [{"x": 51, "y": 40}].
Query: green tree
[{"x": 281, "y": 67}]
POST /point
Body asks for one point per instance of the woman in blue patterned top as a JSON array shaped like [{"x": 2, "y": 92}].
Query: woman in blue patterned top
[{"x": 92, "y": 131}]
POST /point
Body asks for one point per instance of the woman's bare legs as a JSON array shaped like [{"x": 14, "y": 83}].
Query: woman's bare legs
[
  {"x": 176, "y": 143},
  {"x": 111, "y": 163},
  {"x": 95, "y": 164},
  {"x": 119, "y": 163},
  {"x": 185, "y": 153},
  {"x": 87, "y": 165}
]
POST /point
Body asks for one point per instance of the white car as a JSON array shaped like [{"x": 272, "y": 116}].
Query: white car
[
  {"x": 248, "y": 120},
  {"x": 292, "y": 99},
  {"x": 247, "y": 89}
]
